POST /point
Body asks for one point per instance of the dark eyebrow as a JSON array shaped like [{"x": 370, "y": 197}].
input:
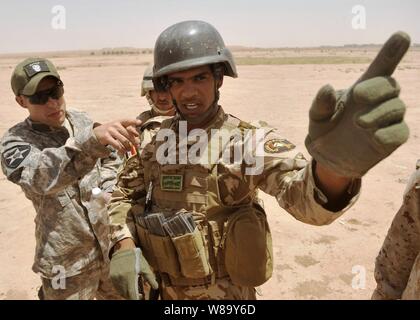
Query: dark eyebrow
[{"x": 202, "y": 74}]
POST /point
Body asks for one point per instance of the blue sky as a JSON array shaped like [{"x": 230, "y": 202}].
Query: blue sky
[{"x": 25, "y": 25}]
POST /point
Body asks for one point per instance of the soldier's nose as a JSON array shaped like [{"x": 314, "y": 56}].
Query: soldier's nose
[
  {"x": 53, "y": 103},
  {"x": 189, "y": 92}
]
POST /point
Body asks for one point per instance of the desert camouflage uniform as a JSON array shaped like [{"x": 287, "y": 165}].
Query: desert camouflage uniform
[
  {"x": 146, "y": 115},
  {"x": 397, "y": 268},
  {"x": 286, "y": 177},
  {"x": 149, "y": 127},
  {"x": 57, "y": 170}
]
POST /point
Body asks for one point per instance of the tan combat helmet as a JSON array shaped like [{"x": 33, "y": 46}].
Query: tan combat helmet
[
  {"x": 147, "y": 83},
  {"x": 146, "y": 87}
]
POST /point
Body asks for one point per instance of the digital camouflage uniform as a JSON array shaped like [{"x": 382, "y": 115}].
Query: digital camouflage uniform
[
  {"x": 210, "y": 189},
  {"x": 397, "y": 268},
  {"x": 57, "y": 170}
]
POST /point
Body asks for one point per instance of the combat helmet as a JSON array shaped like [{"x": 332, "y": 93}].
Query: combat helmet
[
  {"x": 187, "y": 45},
  {"x": 146, "y": 87},
  {"x": 147, "y": 83}
]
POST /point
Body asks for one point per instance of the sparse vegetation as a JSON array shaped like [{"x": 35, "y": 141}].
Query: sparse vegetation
[
  {"x": 125, "y": 51},
  {"x": 301, "y": 60}
]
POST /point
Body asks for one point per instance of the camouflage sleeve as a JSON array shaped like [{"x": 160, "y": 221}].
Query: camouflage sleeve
[
  {"x": 401, "y": 246},
  {"x": 289, "y": 177},
  {"x": 109, "y": 170},
  {"x": 127, "y": 198},
  {"x": 50, "y": 170}
]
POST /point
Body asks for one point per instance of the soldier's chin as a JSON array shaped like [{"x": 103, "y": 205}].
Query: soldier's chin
[
  {"x": 194, "y": 119},
  {"x": 164, "y": 106},
  {"x": 58, "y": 120}
]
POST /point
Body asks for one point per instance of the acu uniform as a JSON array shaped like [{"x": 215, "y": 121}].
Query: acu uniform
[{"x": 57, "y": 170}]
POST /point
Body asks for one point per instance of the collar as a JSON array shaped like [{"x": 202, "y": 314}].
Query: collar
[{"x": 41, "y": 127}]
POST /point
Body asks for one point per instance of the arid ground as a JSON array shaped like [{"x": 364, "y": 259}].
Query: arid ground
[{"x": 329, "y": 262}]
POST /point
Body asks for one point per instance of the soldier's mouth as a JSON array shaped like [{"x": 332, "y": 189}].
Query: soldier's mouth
[
  {"x": 56, "y": 114},
  {"x": 190, "y": 106}
]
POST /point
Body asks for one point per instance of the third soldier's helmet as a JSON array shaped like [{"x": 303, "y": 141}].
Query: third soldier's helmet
[
  {"x": 190, "y": 44},
  {"x": 147, "y": 83}
]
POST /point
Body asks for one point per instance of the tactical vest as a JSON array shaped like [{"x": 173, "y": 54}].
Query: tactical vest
[{"x": 230, "y": 240}]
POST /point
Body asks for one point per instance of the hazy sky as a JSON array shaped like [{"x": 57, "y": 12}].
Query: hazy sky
[{"x": 92, "y": 24}]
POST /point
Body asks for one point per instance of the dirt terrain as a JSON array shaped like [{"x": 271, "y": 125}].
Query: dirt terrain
[{"x": 310, "y": 262}]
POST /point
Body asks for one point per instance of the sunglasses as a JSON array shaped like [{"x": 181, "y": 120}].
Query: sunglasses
[{"x": 41, "y": 97}]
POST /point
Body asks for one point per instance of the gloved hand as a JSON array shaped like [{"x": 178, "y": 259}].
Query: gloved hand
[
  {"x": 125, "y": 267},
  {"x": 351, "y": 131}
]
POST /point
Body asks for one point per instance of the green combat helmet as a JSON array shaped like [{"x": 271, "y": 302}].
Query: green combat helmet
[{"x": 192, "y": 44}]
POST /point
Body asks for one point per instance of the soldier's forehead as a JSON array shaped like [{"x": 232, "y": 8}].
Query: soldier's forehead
[{"x": 190, "y": 72}]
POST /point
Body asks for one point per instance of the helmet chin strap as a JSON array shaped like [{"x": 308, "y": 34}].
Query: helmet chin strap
[{"x": 155, "y": 108}]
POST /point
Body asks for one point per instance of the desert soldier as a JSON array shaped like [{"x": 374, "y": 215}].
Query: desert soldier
[
  {"x": 57, "y": 156},
  {"x": 160, "y": 101},
  {"x": 161, "y": 108},
  {"x": 195, "y": 221},
  {"x": 397, "y": 268}
]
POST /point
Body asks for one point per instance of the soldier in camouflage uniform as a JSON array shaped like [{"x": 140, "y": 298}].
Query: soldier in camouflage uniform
[
  {"x": 161, "y": 108},
  {"x": 159, "y": 101},
  {"x": 57, "y": 157},
  {"x": 196, "y": 223},
  {"x": 397, "y": 268}
]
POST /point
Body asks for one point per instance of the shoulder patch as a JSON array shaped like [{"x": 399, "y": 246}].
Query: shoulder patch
[
  {"x": 278, "y": 145},
  {"x": 14, "y": 156}
]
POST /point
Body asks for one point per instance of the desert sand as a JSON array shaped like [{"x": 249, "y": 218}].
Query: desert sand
[{"x": 328, "y": 262}]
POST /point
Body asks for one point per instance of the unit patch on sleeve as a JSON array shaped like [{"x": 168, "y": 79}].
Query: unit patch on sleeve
[
  {"x": 14, "y": 156},
  {"x": 278, "y": 145}
]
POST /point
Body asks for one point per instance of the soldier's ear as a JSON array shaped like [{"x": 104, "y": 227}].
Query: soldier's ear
[{"x": 21, "y": 101}]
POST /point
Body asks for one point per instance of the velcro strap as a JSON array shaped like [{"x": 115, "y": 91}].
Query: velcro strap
[{"x": 170, "y": 281}]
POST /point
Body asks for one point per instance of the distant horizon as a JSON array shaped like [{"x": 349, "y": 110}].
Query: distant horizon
[{"x": 232, "y": 47}]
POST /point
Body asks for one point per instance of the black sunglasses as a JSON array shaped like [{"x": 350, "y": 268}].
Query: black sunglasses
[{"x": 41, "y": 97}]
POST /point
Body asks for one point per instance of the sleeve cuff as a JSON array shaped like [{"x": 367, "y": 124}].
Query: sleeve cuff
[
  {"x": 351, "y": 196},
  {"x": 89, "y": 144},
  {"x": 119, "y": 233}
]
